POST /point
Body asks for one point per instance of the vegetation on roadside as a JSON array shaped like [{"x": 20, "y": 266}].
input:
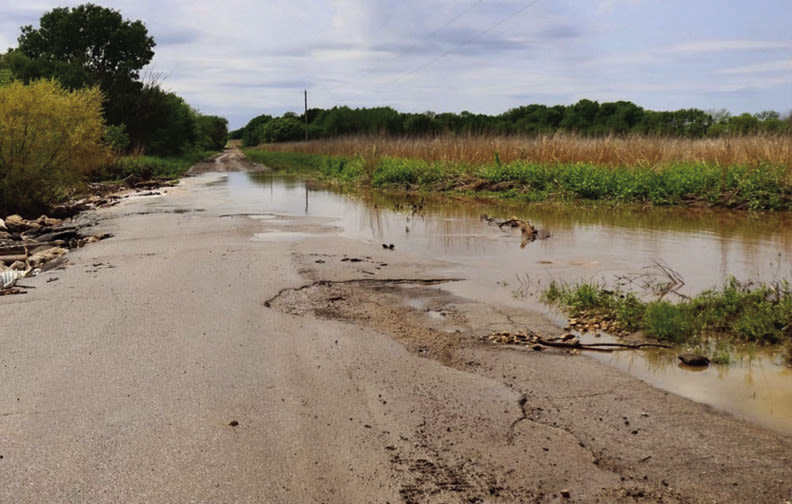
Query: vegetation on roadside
[
  {"x": 736, "y": 312},
  {"x": 151, "y": 167},
  {"x": 74, "y": 109},
  {"x": 50, "y": 141},
  {"x": 756, "y": 184}
]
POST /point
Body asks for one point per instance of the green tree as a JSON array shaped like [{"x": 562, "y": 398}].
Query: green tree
[
  {"x": 283, "y": 129},
  {"x": 50, "y": 140},
  {"x": 212, "y": 132},
  {"x": 162, "y": 124},
  {"x": 89, "y": 45},
  {"x": 86, "y": 46}
]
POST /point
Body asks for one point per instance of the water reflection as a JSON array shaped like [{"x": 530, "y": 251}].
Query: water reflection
[{"x": 703, "y": 246}]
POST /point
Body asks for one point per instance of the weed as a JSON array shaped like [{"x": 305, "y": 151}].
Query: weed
[{"x": 758, "y": 314}]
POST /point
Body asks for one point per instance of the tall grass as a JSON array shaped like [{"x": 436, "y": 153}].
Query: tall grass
[
  {"x": 627, "y": 151},
  {"x": 766, "y": 185}
]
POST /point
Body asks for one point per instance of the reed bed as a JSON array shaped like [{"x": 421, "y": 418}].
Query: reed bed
[{"x": 628, "y": 151}]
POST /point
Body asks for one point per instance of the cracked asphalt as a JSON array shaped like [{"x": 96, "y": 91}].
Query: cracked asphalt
[{"x": 184, "y": 361}]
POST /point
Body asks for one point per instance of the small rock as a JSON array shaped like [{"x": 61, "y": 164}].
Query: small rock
[
  {"x": 537, "y": 348},
  {"x": 233, "y": 423},
  {"x": 47, "y": 255},
  {"x": 565, "y": 493},
  {"x": 16, "y": 224},
  {"x": 695, "y": 360}
]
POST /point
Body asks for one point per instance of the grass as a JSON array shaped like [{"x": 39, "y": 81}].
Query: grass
[
  {"x": 737, "y": 312},
  {"x": 738, "y": 173},
  {"x": 151, "y": 167},
  {"x": 626, "y": 151}
]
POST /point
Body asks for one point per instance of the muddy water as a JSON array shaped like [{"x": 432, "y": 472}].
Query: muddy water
[{"x": 703, "y": 247}]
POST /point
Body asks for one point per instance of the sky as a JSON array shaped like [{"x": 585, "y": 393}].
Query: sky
[{"x": 241, "y": 58}]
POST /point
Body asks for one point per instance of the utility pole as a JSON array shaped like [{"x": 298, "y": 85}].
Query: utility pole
[{"x": 306, "y": 115}]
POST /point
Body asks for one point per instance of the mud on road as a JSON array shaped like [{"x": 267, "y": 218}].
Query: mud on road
[{"x": 581, "y": 432}]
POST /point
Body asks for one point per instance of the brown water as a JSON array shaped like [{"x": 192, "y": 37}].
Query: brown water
[{"x": 704, "y": 247}]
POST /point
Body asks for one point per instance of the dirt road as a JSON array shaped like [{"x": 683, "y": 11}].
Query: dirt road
[{"x": 185, "y": 361}]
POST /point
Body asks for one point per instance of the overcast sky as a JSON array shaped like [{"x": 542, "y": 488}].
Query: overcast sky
[{"x": 241, "y": 58}]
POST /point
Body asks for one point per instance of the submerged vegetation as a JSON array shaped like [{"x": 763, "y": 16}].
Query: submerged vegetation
[
  {"x": 741, "y": 173},
  {"x": 736, "y": 312}
]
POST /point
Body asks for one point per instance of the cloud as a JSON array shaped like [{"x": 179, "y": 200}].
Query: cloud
[
  {"x": 709, "y": 46},
  {"x": 766, "y": 67}
]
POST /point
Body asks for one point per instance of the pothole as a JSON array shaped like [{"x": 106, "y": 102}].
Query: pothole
[{"x": 390, "y": 306}]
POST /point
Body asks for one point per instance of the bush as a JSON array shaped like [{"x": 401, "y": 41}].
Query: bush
[{"x": 50, "y": 140}]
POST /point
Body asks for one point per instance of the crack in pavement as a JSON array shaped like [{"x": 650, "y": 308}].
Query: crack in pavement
[{"x": 521, "y": 403}]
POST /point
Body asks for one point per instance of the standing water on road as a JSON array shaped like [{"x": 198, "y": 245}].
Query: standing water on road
[{"x": 703, "y": 246}]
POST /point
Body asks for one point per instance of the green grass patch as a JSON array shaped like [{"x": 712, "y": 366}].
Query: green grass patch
[
  {"x": 764, "y": 187},
  {"x": 151, "y": 167},
  {"x": 740, "y": 312},
  {"x": 331, "y": 168}
]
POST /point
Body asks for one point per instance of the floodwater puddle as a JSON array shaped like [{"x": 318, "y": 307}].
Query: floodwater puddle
[{"x": 703, "y": 247}]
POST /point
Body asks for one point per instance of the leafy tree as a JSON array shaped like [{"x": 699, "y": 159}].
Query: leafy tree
[
  {"x": 252, "y": 134},
  {"x": 50, "y": 139},
  {"x": 89, "y": 45},
  {"x": 163, "y": 123},
  {"x": 212, "y": 132},
  {"x": 283, "y": 129}
]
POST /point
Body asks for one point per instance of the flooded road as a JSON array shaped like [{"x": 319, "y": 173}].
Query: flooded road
[{"x": 703, "y": 246}]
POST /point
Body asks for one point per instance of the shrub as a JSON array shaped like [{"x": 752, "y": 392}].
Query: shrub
[{"x": 50, "y": 139}]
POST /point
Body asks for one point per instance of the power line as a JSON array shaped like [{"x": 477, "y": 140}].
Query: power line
[
  {"x": 427, "y": 37},
  {"x": 465, "y": 42},
  {"x": 436, "y": 31}
]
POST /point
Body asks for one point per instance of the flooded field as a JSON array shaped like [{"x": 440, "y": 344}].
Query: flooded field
[{"x": 704, "y": 247}]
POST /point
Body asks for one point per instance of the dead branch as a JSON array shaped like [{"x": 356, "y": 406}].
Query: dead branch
[{"x": 598, "y": 347}]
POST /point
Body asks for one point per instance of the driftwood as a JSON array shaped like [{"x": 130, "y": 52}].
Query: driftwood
[
  {"x": 11, "y": 259},
  {"x": 598, "y": 347},
  {"x": 17, "y": 249}
]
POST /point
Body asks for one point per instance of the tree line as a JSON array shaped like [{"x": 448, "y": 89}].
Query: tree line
[{"x": 585, "y": 118}]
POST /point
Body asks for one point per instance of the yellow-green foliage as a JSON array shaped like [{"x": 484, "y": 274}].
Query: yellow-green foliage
[{"x": 50, "y": 139}]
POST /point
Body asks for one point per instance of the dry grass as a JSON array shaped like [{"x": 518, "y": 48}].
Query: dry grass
[{"x": 560, "y": 148}]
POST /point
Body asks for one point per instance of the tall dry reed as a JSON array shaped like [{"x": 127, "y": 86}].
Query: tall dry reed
[{"x": 635, "y": 150}]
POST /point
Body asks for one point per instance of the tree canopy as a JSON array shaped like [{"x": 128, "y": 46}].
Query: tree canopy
[{"x": 88, "y": 45}]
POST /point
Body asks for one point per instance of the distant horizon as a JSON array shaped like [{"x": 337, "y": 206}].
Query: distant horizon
[{"x": 250, "y": 58}]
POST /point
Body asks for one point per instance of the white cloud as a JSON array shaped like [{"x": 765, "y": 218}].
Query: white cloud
[
  {"x": 766, "y": 67},
  {"x": 709, "y": 46}
]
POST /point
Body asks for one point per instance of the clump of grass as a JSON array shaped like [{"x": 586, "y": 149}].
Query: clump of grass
[
  {"x": 741, "y": 312},
  {"x": 722, "y": 353}
]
